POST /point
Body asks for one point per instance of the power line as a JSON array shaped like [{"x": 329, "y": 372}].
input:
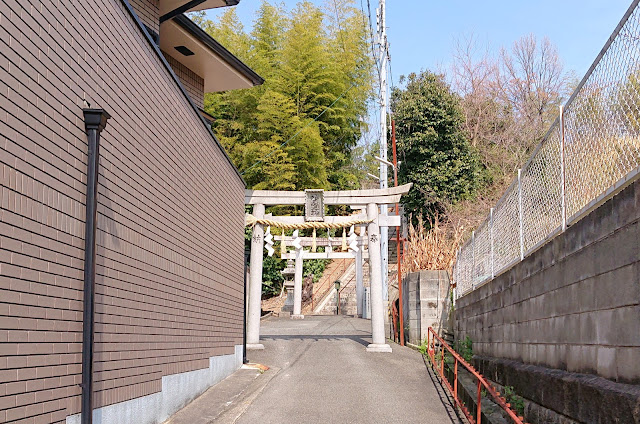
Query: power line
[
  {"x": 300, "y": 130},
  {"x": 371, "y": 37}
]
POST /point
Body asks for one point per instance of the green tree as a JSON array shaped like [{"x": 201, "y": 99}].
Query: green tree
[
  {"x": 435, "y": 153},
  {"x": 278, "y": 124},
  {"x": 349, "y": 51},
  {"x": 316, "y": 68},
  {"x": 267, "y": 37}
]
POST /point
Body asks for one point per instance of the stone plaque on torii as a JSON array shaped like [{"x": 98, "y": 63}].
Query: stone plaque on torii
[
  {"x": 367, "y": 200},
  {"x": 314, "y": 205}
]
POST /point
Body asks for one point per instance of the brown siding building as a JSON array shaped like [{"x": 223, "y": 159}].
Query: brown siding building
[{"x": 169, "y": 265}]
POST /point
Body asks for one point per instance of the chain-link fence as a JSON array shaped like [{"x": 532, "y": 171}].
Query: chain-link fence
[{"x": 590, "y": 152}]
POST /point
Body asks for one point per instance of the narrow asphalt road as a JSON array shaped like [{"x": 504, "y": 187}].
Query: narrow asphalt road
[{"x": 325, "y": 376}]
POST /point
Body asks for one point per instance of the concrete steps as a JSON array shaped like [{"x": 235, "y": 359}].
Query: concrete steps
[{"x": 348, "y": 305}]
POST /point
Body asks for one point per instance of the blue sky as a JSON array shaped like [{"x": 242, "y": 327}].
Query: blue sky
[{"x": 422, "y": 33}]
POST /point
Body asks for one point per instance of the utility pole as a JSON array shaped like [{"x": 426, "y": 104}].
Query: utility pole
[
  {"x": 398, "y": 245},
  {"x": 384, "y": 57}
]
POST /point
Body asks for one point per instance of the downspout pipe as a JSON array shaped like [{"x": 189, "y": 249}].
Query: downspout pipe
[
  {"x": 244, "y": 308},
  {"x": 94, "y": 122}
]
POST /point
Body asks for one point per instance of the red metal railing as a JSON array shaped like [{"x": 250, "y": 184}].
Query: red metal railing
[
  {"x": 482, "y": 383},
  {"x": 326, "y": 285}
]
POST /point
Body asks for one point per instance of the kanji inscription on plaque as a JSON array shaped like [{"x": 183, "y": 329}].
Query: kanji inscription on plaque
[{"x": 314, "y": 205}]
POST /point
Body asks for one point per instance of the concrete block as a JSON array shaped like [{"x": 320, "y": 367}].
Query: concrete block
[
  {"x": 586, "y": 294},
  {"x": 604, "y": 327},
  {"x": 561, "y": 302},
  {"x": 571, "y": 331},
  {"x": 580, "y": 265},
  {"x": 552, "y": 356},
  {"x": 626, "y": 206},
  {"x": 588, "y": 332},
  {"x": 589, "y": 359},
  {"x": 626, "y": 326},
  {"x": 558, "y": 247},
  {"x": 574, "y": 358},
  {"x": 627, "y": 360},
  {"x": 548, "y": 257},
  {"x": 553, "y": 277},
  {"x": 606, "y": 362},
  {"x": 598, "y": 224},
  {"x": 513, "y": 351},
  {"x": 617, "y": 288},
  {"x": 556, "y": 326},
  {"x": 539, "y": 354},
  {"x": 549, "y": 308},
  {"x": 537, "y": 307},
  {"x": 619, "y": 249}
]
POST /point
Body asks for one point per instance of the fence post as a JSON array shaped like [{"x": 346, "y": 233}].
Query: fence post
[
  {"x": 520, "y": 213},
  {"x": 491, "y": 238},
  {"x": 562, "y": 171},
  {"x": 473, "y": 258}
]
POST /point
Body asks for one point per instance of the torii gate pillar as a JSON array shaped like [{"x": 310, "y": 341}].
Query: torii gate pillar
[
  {"x": 255, "y": 283},
  {"x": 297, "y": 287},
  {"x": 375, "y": 272},
  {"x": 359, "y": 282}
]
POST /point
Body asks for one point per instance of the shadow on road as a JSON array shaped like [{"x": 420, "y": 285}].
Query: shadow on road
[
  {"x": 354, "y": 337},
  {"x": 445, "y": 397}
]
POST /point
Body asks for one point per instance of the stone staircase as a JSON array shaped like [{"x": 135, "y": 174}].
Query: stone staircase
[
  {"x": 348, "y": 305},
  {"x": 393, "y": 265},
  {"x": 324, "y": 285}
]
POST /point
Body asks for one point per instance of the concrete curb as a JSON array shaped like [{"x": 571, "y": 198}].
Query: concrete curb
[
  {"x": 267, "y": 315},
  {"x": 226, "y": 401}
]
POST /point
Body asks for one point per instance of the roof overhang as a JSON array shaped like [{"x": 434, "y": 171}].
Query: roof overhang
[
  {"x": 220, "y": 69},
  {"x": 168, "y": 6}
]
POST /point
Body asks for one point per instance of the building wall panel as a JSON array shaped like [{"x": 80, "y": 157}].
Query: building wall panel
[
  {"x": 170, "y": 214},
  {"x": 149, "y": 12},
  {"x": 192, "y": 82}
]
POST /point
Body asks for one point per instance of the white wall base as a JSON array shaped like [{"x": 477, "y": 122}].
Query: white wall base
[{"x": 177, "y": 391}]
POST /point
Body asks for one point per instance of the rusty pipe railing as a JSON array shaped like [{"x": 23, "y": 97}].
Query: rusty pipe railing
[{"x": 432, "y": 337}]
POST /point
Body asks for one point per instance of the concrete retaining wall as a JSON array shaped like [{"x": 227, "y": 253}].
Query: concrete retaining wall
[
  {"x": 177, "y": 391},
  {"x": 574, "y": 304},
  {"x": 425, "y": 302}
]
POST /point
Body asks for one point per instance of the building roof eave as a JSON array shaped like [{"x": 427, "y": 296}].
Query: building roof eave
[
  {"x": 217, "y": 48},
  {"x": 163, "y": 60}
]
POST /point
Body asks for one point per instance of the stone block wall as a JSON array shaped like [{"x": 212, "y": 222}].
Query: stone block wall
[
  {"x": 425, "y": 303},
  {"x": 574, "y": 304}
]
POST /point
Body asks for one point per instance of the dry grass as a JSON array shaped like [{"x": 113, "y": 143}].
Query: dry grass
[{"x": 431, "y": 249}]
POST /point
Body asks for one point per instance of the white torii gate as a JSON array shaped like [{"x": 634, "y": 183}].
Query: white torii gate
[
  {"x": 300, "y": 254},
  {"x": 358, "y": 199}
]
